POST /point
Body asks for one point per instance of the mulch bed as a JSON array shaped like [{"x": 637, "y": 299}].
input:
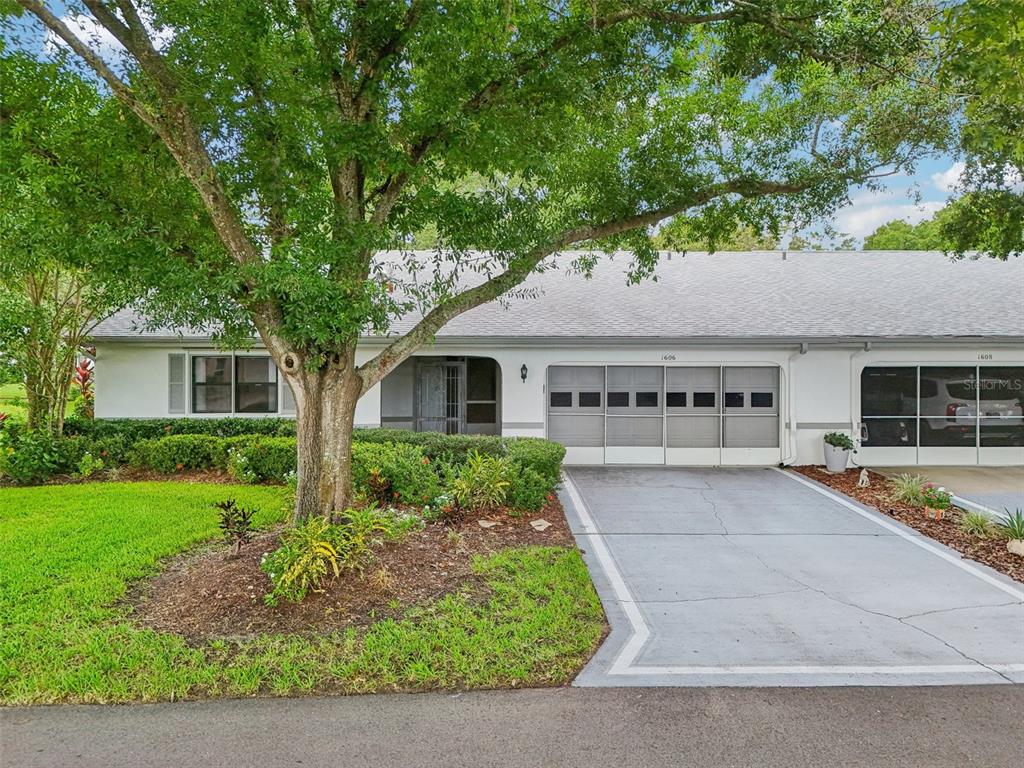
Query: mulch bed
[
  {"x": 991, "y": 551},
  {"x": 202, "y": 595}
]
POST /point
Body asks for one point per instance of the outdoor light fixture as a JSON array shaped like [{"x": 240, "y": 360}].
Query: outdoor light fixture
[{"x": 523, "y": 371}]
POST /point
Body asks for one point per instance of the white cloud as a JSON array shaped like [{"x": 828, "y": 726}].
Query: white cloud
[
  {"x": 947, "y": 180},
  {"x": 89, "y": 31},
  {"x": 869, "y": 211}
]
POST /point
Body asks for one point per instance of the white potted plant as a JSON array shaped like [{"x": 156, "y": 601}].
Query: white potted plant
[
  {"x": 1012, "y": 527},
  {"x": 838, "y": 447}
]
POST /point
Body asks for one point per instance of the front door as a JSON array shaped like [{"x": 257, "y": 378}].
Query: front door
[{"x": 441, "y": 397}]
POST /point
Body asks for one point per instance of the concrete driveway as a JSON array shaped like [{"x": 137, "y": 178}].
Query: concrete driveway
[{"x": 761, "y": 577}]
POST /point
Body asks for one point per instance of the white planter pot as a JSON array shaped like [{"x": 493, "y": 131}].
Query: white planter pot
[
  {"x": 1016, "y": 546},
  {"x": 836, "y": 459}
]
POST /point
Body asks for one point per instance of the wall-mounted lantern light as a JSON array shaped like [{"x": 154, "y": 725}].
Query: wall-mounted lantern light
[{"x": 523, "y": 371}]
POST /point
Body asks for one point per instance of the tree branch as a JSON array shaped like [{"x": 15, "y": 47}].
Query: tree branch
[
  {"x": 387, "y": 194},
  {"x": 518, "y": 270},
  {"x": 91, "y": 58}
]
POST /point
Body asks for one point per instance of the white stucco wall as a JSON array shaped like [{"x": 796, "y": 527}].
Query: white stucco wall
[{"x": 819, "y": 389}]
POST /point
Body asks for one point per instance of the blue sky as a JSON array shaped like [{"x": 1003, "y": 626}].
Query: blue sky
[{"x": 932, "y": 181}]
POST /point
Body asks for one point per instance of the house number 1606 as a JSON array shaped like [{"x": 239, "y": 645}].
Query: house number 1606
[{"x": 668, "y": 357}]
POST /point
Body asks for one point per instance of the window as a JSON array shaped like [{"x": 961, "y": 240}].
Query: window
[
  {"x": 590, "y": 399},
  {"x": 891, "y": 391},
  {"x": 618, "y": 399},
  {"x": 255, "y": 385},
  {"x": 675, "y": 399},
  {"x": 211, "y": 384},
  {"x": 762, "y": 399},
  {"x": 703, "y": 399},
  {"x": 646, "y": 399},
  {"x": 734, "y": 399},
  {"x": 561, "y": 399}
]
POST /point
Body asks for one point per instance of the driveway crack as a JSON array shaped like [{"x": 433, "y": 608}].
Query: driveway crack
[
  {"x": 727, "y": 597},
  {"x": 714, "y": 511}
]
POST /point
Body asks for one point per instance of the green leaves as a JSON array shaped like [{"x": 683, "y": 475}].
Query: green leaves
[{"x": 337, "y": 130}]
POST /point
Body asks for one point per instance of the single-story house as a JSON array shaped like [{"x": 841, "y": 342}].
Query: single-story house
[{"x": 725, "y": 359}]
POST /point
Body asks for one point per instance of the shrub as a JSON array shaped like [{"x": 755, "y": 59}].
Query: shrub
[
  {"x": 134, "y": 430},
  {"x": 1011, "y": 526},
  {"x": 179, "y": 452},
  {"x": 439, "y": 447},
  {"x": 935, "y": 497},
  {"x": 88, "y": 466},
  {"x": 113, "y": 449},
  {"x": 975, "y": 524},
  {"x": 32, "y": 456},
  {"x": 542, "y": 456},
  {"x": 839, "y": 440},
  {"x": 303, "y": 561},
  {"x": 251, "y": 458},
  {"x": 482, "y": 482},
  {"x": 235, "y": 524},
  {"x": 529, "y": 490},
  {"x": 360, "y": 530},
  {"x": 908, "y": 489},
  {"x": 394, "y": 472}
]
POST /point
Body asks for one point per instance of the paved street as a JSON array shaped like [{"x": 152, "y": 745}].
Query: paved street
[
  {"x": 754, "y": 576},
  {"x": 928, "y": 727}
]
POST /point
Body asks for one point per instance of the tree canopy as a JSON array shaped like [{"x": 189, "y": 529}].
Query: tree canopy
[
  {"x": 317, "y": 134},
  {"x": 983, "y": 61}
]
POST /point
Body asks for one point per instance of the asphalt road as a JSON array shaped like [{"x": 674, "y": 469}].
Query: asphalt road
[{"x": 626, "y": 728}]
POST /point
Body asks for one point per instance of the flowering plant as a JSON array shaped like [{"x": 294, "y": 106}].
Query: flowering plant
[{"x": 935, "y": 497}]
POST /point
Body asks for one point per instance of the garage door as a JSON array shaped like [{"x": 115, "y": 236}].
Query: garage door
[{"x": 685, "y": 415}]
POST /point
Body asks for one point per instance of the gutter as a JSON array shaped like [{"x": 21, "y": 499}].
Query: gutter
[
  {"x": 604, "y": 341},
  {"x": 791, "y": 431}
]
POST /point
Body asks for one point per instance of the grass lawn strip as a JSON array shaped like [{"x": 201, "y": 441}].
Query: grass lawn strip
[{"x": 68, "y": 555}]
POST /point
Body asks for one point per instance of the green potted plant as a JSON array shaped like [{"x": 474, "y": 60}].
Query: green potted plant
[
  {"x": 936, "y": 500},
  {"x": 1012, "y": 527},
  {"x": 838, "y": 447}
]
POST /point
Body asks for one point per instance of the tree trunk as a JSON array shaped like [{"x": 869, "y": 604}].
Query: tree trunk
[{"x": 325, "y": 402}]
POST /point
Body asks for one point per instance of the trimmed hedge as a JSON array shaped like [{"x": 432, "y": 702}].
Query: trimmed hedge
[
  {"x": 267, "y": 458},
  {"x": 414, "y": 465},
  {"x": 177, "y": 452},
  {"x": 394, "y": 472},
  {"x": 133, "y": 430}
]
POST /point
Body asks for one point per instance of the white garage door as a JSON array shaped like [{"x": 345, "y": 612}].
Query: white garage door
[{"x": 644, "y": 414}]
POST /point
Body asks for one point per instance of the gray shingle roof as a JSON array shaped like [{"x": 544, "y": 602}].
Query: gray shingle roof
[{"x": 747, "y": 295}]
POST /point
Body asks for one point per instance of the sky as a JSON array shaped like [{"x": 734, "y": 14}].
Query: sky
[{"x": 910, "y": 197}]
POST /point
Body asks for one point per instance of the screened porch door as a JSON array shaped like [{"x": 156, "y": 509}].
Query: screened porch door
[{"x": 441, "y": 397}]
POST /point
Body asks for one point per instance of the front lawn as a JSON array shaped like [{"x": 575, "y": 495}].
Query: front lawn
[
  {"x": 12, "y": 400},
  {"x": 68, "y": 555}
]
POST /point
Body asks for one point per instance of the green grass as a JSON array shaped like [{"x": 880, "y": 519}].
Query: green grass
[
  {"x": 12, "y": 400},
  {"x": 68, "y": 554}
]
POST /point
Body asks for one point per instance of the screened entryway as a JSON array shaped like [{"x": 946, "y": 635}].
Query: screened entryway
[
  {"x": 454, "y": 395},
  {"x": 653, "y": 414},
  {"x": 942, "y": 414}
]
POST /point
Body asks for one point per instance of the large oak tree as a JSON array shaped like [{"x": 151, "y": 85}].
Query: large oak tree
[{"x": 319, "y": 133}]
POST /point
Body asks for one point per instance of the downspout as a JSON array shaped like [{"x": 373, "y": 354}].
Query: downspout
[
  {"x": 791, "y": 433},
  {"x": 854, "y": 423}
]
